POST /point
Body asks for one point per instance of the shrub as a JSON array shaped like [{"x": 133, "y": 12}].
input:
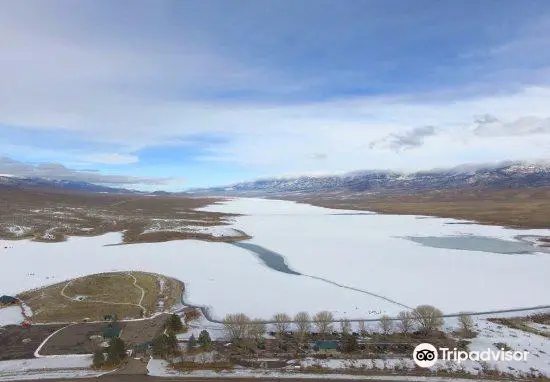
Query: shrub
[{"x": 428, "y": 318}]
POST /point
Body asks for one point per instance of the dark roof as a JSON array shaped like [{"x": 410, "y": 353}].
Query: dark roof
[{"x": 7, "y": 300}]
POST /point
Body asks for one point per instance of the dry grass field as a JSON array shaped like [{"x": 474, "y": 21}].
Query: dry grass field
[
  {"x": 75, "y": 339},
  {"x": 51, "y": 215},
  {"x": 517, "y": 208},
  {"x": 125, "y": 294}
]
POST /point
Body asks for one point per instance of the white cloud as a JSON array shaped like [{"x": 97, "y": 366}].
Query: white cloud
[
  {"x": 491, "y": 126},
  {"x": 138, "y": 95},
  {"x": 408, "y": 140},
  {"x": 111, "y": 158},
  {"x": 56, "y": 171}
]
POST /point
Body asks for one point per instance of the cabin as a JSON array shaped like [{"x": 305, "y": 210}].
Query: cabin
[
  {"x": 326, "y": 347},
  {"x": 8, "y": 300},
  {"x": 111, "y": 332}
]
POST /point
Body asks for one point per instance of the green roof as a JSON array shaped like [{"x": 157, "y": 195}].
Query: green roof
[
  {"x": 111, "y": 332},
  {"x": 327, "y": 345}
]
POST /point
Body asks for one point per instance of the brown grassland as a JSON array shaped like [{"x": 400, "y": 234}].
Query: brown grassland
[
  {"x": 518, "y": 208},
  {"x": 53, "y": 215},
  {"x": 102, "y": 294}
]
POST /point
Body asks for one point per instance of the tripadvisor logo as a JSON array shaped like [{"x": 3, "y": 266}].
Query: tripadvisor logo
[{"x": 426, "y": 355}]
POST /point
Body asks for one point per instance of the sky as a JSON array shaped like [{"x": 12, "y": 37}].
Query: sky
[{"x": 169, "y": 95}]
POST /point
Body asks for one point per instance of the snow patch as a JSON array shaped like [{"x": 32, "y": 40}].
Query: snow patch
[{"x": 11, "y": 315}]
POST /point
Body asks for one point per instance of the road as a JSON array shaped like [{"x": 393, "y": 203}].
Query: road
[{"x": 146, "y": 378}]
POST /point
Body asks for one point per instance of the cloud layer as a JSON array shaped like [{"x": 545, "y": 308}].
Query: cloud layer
[
  {"x": 56, "y": 171},
  {"x": 216, "y": 92}
]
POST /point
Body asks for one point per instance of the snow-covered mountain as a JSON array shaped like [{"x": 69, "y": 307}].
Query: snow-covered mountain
[
  {"x": 69, "y": 185},
  {"x": 504, "y": 175}
]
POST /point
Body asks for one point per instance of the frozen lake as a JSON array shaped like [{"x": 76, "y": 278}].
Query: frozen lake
[{"x": 302, "y": 257}]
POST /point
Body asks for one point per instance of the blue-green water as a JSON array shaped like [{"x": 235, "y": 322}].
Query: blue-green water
[{"x": 479, "y": 244}]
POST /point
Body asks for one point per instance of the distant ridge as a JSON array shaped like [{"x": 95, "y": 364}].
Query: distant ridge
[
  {"x": 497, "y": 176},
  {"x": 9, "y": 181}
]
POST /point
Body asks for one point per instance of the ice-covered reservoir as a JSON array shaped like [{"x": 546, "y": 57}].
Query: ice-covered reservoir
[{"x": 368, "y": 264}]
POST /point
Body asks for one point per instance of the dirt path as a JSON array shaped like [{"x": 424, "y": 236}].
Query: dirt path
[
  {"x": 148, "y": 378},
  {"x": 109, "y": 302},
  {"x": 142, "y": 294}
]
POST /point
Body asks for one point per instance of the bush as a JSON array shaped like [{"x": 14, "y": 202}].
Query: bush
[
  {"x": 405, "y": 323},
  {"x": 466, "y": 324},
  {"x": 191, "y": 315},
  {"x": 99, "y": 359},
  {"x": 386, "y": 325},
  {"x": 428, "y": 318}
]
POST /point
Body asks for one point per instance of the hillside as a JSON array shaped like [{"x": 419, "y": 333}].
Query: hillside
[{"x": 503, "y": 176}]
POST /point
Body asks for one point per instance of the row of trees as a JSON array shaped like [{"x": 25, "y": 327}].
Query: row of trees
[{"x": 424, "y": 318}]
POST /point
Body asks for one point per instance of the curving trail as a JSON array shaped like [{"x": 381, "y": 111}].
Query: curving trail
[{"x": 139, "y": 304}]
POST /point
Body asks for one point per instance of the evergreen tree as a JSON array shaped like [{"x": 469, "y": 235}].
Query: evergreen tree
[
  {"x": 116, "y": 351},
  {"x": 174, "y": 323},
  {"x": 192, "y": 342},
  {"x": 204, "y": 339},
  {"x": 349, "y": 343}
]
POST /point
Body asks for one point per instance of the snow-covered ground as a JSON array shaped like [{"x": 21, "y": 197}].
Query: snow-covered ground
[
  {"x": 215, "y": 330},
  {"x": 18, "y": 230},
  {"x": 11, "y": 315},
  {"x": 47, "y": 368},
  {"x": 161, "y": 368},
  {"x": 369, "y": 251},
  {"x": 364, "y": 251},
  {"x": 216, "y": 231}
]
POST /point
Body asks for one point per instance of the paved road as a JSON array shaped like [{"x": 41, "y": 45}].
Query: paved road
[{"x": 146, "y": 378}]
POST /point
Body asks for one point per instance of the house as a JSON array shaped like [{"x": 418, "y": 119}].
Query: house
[
  {"x": 111, "y": 332},
  {"x": 7, "y": 300},
  {"x": 144, "y": 347},
  {"x": 326, "y": 346}
]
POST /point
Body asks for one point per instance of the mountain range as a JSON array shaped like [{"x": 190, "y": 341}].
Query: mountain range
[
  {"x": 8, "y": 181},
  {"x": 501, "y": 176}
]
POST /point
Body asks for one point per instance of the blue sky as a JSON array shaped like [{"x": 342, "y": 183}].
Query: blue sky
[{"x": 177, "y": 94}]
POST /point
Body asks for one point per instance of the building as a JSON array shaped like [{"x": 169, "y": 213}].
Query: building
[
  {"x": 326, "y": 346},
  {"x": 8, "y": 300},
  {"x": 111, "y": 332}
]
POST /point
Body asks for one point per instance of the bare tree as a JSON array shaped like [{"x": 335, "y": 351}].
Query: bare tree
[
  {"x": 236, "y": 326},
  {"x": 323, "y": 322},
  {"x": 386, "y": 325},
  {"x": 256, "y": 329},
  {"x": 345, "y": 327},
  {"x": 303, "y": 322},
  {"x": 428, "y": 318},
  {"x": 466, "y": 323},
  {"x": 405, "y": 323},
  {"x": 363, "y": 329},
  {"x": 282, "y": 323}
]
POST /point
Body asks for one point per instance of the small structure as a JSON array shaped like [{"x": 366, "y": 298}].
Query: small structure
[
  {"x": 326, "y": 346},
  {"x": 144, "y": 347},
  {"x": 111, "y": 332},
  {"x": 8, "y": 300},
  {"x": 110, "y": 317}
]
